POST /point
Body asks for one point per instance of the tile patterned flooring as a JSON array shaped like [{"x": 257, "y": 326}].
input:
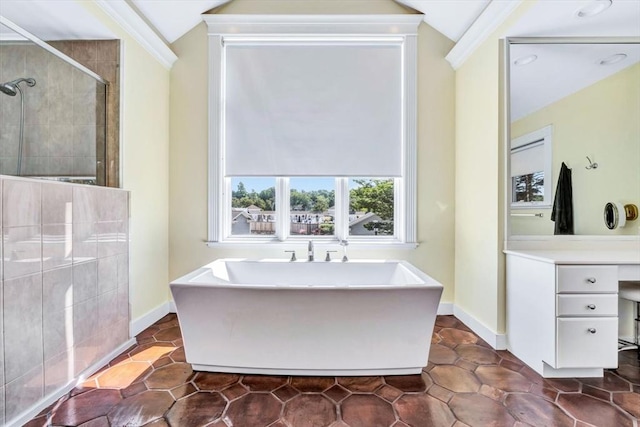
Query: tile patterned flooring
[{"x": 466, "y": 383}]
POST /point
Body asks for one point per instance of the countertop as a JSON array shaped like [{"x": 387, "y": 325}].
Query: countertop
[{"x": 562, "y": 256}]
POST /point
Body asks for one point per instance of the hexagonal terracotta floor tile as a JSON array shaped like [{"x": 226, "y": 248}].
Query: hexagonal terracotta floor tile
[
  {"x": 123, "y": 374},
  {"x": 367, "y": 410},
  {"x": 198, "y": 409},
  {"x": 86, "y": 406},
  {"x": 360, "y": 384},
  {"x": 441, "y": 355},
  {"x": 312, "y": 384},
  {"x": 254, "y": 409},
  {"x": 503, "y": 378},
  {"x": 97, "y": 422},
  {"x": 310, "y": 410},
  {"x": 630, "y": 402},
  {"x": 169, "y": 376},
  {"x": 535, "y": 410},
  {"x": 406, "y": 383},
  {"x": 286, "y": 392},
  {"x": 169, "y": 334},
  {"x": 263, "y": 382},
  {"x": 609, "y": 382},
  {"x": 456, "y": 336},
  {"x": 388, "y": 393},
  {"x": 593, "y": 411},
  {"x": 151, "y": 352},
  {"x": 477, "y": 354},
  {"x": 336, "y": 393},
  {"x": 140, "y": 409},
  {"x": 455, "y": 379},
  {"x": 214, "y": 382},
  {"x": 419, "y": 410},
  {"x": 234, "y": 391},
  {"x": 479, "y": 411}
]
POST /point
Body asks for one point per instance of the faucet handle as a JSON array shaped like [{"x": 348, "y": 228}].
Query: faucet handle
[
  {"x": 328, "y": 258},
  {"x": 293, "y": 255}
]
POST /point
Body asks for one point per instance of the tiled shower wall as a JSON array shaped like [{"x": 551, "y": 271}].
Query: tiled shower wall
[
  {"x": 65, "y": 285},
  {"x": 64, "y": 132}
]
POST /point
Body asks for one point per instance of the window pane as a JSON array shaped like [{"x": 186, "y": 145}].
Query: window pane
[
  {"x": 312, "y": 203},
  {"x": 253, "y": 206},
  {"x": 371, "y": 207},
  {"x": 528, "y": 188}
]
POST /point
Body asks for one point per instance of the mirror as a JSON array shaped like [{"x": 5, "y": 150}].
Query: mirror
[
  {"x": 576, "y": 102},
  {"x": 58, "y": 116}
]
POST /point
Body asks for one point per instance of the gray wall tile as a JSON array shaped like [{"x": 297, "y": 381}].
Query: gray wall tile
[
  {"x": 21, "y": 203},
  {"x": 58, "y": 371},
  {"x": 85, "y": 242},
  {"x": 22, "y": 251},
  {"x": 56, "y": 204},
  {"x": 85, "y": 281},
  {"x": 57, "y": 290},
  {"x": 23, "y": 392},
  {"x": 56, "y": 246},
  {"x": 107, "y": 274},
  {"x": 22, "y": 325}
]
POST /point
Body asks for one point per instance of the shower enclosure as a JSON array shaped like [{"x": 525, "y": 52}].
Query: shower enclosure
[{"x": 52, "y": 113}]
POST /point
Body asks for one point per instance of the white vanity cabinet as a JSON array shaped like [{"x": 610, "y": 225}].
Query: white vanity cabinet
[
  {"x": 562, "y": 319},
  {"x": 586, "y": 317}
]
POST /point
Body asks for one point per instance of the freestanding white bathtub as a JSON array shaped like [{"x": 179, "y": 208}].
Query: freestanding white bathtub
[{"x": 307, "y": 318}]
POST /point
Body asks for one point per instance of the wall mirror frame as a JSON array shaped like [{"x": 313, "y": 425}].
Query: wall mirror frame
[{"x": 511, "y": 211}]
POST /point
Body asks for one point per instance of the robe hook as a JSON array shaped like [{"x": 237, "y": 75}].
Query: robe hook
[{"x": 592, "y": 165}]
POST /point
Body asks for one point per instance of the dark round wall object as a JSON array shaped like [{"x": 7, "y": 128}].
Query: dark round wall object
[{"x": 611, "y": 216}]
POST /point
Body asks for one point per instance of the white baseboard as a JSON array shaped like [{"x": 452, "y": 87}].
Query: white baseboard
[
  {"x": 494, "y": 339},
  {"x": 445, "y": 309},
  {"x": 34, "y": 410},
  {"x": 143, "y": 322}
]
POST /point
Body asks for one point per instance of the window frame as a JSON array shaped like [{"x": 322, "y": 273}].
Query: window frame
[
  {"x": 349, "y": 26},
  {"x": 543, "y": 136}
]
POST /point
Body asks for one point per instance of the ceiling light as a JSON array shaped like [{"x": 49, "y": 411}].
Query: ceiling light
[
  {"x": 525, "y": 60},
  {"x": 613, "y": 59},
  {"x": 593, "y": 8}
]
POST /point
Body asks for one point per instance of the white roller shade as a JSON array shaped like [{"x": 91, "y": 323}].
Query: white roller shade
[
  {"x": 294, "y": 109},
  {"x": 528, "y": 159}
]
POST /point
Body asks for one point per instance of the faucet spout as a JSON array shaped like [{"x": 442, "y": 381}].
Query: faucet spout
[{"x": 310, "y": 250}]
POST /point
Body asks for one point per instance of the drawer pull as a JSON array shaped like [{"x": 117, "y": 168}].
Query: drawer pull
[
  {"x": 591, "y": 306},
  {"x": 591, "y": 279},
  {"x": 592, "y": 330}
]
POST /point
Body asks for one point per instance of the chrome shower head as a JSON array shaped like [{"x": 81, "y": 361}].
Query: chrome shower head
[{"x": 11, "y": 88}]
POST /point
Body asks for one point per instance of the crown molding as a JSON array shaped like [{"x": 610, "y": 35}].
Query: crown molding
[
  {"x": 316, "y": 24},
  {"x": 490, "y": 18},
  {"x": 135, "y": 26}
]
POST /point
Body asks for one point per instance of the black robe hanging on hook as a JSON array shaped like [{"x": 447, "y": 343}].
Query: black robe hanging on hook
[{"x": 562, "y": 213}]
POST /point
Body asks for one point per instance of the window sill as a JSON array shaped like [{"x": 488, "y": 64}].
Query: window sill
[{"x": 379, "y": 245}]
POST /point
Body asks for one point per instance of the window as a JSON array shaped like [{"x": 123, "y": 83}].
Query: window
[
  {"x": 531, "y": 169},
  {"x": 371, "y": 207},
  {"x": 312, "y": 135},
  {"x": 253, "y": 206}
]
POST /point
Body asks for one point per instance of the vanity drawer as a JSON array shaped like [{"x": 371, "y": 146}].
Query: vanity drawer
[
  {"x": 587, "y": 278},
  {"x": 587, "y": 305},
  {"x": 587, "y": 342}
]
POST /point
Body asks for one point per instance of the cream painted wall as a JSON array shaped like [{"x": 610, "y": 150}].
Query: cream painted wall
[
  {"x": 145, "y": 167},
  {"x": 600, "y": 121},
  {"x": 188, "y": 149},
  {"x": 479, "y": 217}
]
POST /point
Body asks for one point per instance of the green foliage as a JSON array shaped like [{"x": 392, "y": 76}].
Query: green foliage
[
  {"x": 373, "y": 195},
  {"x": 316, "y": 201}
]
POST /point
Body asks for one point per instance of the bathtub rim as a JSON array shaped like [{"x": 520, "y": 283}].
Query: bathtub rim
[{"x": 187, "y": 279}]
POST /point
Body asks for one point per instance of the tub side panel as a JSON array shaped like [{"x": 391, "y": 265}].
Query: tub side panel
[{"x": 309, "y": 330}]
